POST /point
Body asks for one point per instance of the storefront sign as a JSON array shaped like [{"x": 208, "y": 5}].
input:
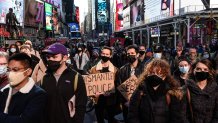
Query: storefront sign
[
  {"x": 128, "y": 87},
  {"x": 100, "y": 83}
]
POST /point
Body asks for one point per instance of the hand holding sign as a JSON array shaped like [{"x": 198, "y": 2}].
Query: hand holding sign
[
  {"x": 101, "y": 83},
  {"x": 128, "y": 87}
]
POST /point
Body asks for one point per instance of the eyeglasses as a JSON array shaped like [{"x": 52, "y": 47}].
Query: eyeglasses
[
  {"x": 14, "y": 69},
  {"x": 3, "y": 64}
]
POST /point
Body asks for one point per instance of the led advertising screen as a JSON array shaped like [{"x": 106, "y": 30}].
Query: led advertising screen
[
  {"x": 119, "y": 16},
  {"x": 126, "y": 18},
  {"x": 77, "y": 14},
  {"x": 74, "y": 27},
  {"x": 102, "y": 11},
  {"x": 48, "y": 16},
  {"x": 56, "y": 3},
  {"x": 16, "y": 5},
  {"x": 137, "y": 13},
  {"x": 34, "y": 12}
]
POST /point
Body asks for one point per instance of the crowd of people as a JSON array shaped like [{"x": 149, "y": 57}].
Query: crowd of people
[{"x": 173, "y": 86}]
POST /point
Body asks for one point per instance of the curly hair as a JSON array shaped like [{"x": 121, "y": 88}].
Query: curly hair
[{"x": 162, "y": 67}]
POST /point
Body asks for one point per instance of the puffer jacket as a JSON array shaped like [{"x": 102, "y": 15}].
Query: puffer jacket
[{"x": 204, "y": 103}]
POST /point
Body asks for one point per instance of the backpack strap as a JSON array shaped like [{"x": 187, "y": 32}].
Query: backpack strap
[{"x": 76, "y": 81}]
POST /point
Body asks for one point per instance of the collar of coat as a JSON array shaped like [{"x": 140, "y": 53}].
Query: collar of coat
[
  {"x": 25, "y": 89},
  {"x": 111, "y": 67}
]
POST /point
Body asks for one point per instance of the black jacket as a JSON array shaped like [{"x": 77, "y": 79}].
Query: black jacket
[
  {"x": 204, "y": 102},
  {"x": 147, "y": 106},
  {"x": 59, "y": 94},
  {"x": 24, "y": 107}
]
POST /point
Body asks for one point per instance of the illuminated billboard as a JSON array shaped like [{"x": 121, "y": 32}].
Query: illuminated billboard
[
  {"x": 119, "y": 16},
  {"x": 126, "y": 18},
  {"x": 48, "y": 16},
  {"x": 77, "y": 14},
  {"x": 102, "y": 11},
  {"x": 16, "y": 5},
  {"x": 34, "y": 12},
  {"x": 73, "y": 26},
  {"x": 137, "y": 13},
  {"x": 158, "y": 9}
]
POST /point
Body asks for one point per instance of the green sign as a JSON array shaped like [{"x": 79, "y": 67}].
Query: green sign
[{"x": 48, "y": 16}]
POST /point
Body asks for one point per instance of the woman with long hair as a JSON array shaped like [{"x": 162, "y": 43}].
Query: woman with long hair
[
  {"x": 202, "y": 93},
  {"x": 157, "y": 98}
]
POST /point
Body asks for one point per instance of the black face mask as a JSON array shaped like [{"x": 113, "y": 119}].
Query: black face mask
[
  {"x": 141, "y": 52},
  {"x": 154, "y": 80},
  {"x": 131, "y": 58},
  {"x": 105, "y": 58},
  {"x": 53, "y": 65},
  {"x": 200, "y": 76}
]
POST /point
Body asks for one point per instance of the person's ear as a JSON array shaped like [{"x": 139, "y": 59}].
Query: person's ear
[
  {"x": 65, "y": 57},
  {"x": 28, "y": 72}
]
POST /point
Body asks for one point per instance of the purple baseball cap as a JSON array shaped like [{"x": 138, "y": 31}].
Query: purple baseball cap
[{"x": 56, "y": 48}]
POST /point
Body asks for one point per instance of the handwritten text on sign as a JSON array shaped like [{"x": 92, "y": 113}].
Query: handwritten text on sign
[
  {"x": 128, "y": 87},
  {"x": 100, "y": 83}
]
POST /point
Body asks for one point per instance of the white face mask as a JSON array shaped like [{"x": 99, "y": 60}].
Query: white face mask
[
  {"x": 3, "y": 69},
  {"x": 157, "y": 55},
  {"x": 68, "y": 61},
  {"x": 206, "y": 56},
  {"x": 16, "y": 78},
  {"x": 184, "y": 69},
  {"x": 13, "y": 50}
]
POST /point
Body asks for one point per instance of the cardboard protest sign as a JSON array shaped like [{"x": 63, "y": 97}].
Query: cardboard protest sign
[
  {"x": 100, "y": 83},
  {"x": 128, "y": 87}
]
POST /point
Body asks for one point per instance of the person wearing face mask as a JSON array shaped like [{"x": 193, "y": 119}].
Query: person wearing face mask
[
  {"x": 202, "y": 93},
  {"x": 182, "y": 71},
  {"x": 106, "y": 102},
  {"x": 158, "y": 51},
  {"x": 26, "y": 49},
  {"x": 13, "y": 49},
  {"x": 133, "y": 67},
  {"x": 65, "y": 87},
  {"x": 142, "y": 54},
  {"x": 157, "y": 99},
  {"x": 81, "y": 60},
  {"x": 3, "y": 69},
  {"x": 21, "y": 101}
]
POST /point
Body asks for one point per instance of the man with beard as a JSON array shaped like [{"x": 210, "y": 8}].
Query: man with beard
[
  {"x": 65, "y": 88},
  {"x": 3, "y": 69},
  {"x": 105, "y": 102},
  {"x": 132, "y": 68}
]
